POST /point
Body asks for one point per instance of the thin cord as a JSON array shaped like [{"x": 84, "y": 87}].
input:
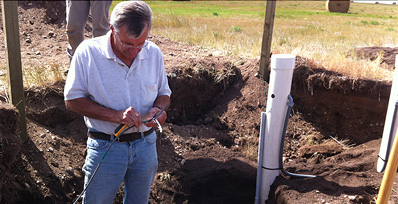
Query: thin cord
[{"x": 102, "y": 159}]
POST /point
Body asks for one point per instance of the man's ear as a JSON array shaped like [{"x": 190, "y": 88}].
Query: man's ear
[{"x": 112, "y": 28}]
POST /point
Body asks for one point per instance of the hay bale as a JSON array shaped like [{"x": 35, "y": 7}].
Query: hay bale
[{"x": 338, "y": 6}]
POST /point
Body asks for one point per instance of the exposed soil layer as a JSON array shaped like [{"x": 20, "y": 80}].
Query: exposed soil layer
[
  {"x": 342, "y": 107},
  {"x": 208, "y": 148}
]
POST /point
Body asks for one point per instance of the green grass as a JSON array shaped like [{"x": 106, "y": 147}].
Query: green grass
[{"x": 206, "y": 9}]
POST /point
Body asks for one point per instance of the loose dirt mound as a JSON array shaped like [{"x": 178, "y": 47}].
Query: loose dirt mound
[
  {"x": 208, "y": 149},
  {"x": 387, "y": 54}
]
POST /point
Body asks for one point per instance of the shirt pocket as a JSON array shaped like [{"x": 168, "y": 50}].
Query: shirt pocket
[{"x": 148, "y": 94}]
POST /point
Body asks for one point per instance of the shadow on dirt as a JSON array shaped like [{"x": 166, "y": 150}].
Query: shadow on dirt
[
  {"x": 212, "y": 181},
  {"x": 197, "y": 88},
  {"x": 25, "y": 164},
  {"x": 45, "y": 173}
]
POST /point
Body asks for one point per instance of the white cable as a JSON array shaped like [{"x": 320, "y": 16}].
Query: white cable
[{"x": 159, "y": 126}]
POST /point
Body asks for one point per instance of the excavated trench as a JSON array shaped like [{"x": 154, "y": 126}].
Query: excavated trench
[
  {"x": 195, "y": 91},
  {"x": 336, "y": 106}
]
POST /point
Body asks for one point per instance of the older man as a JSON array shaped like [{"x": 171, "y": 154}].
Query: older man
[{"x": 119, "y": 78}]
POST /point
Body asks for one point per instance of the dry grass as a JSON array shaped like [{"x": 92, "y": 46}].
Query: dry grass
[
  {"x": 34, "y": 75},
  {"x": 249, "y": 147},
  {"x": 42, "y": 74},
  {"x": 211, "y": 33},
  {"x": 3, "y": 84},
  {"x": 302, "y": 28}
]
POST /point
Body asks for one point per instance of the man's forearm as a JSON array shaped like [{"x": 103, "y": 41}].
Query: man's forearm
[{"x": 89, "y": 108}]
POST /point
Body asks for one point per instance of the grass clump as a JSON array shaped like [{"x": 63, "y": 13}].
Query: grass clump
[
  {"x": 236, "y": 29},
  {"x": 42, "y": 74},
  {"x": 3, "y": 84}
]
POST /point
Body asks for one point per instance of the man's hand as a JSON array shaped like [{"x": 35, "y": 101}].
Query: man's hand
[
  {"x": 154, "y": 112},
  {"x": 129, "y": 117}
]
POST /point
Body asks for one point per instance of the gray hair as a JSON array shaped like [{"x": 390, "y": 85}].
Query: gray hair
[{"x": 133, "y": 15}]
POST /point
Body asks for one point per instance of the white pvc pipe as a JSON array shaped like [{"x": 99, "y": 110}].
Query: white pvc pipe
[
  {"x": 260, "y": 157},
  {"x": 390, "y": 129},
  {"x": 282, "y": 66}
]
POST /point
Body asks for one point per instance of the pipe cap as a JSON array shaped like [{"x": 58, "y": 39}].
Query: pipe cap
[{"x": 283, "y": 61}]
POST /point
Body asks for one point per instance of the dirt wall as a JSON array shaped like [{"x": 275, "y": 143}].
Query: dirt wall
[
  {"x": 340, "y": 106},
  {"x": 10, "y": 147}
]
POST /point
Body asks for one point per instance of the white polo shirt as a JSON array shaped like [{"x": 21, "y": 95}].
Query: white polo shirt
[{"x": 97, "y": 73}]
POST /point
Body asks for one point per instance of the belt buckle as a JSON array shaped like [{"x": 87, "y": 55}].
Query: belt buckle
[{"x": 118, "y": 140}]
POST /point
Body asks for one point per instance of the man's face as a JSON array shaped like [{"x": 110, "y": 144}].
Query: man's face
[{"x": 127, "y": 47}]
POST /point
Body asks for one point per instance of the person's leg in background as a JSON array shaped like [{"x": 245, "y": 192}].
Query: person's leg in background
[
  {"x": 76, "y": 17},
  {"x": 100, "y": 16}
]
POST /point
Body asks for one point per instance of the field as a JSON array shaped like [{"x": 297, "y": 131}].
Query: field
[
  {"x": 301, "y": 28},
  {"x": 208, "y": 149},
  {"x": 235, "y": 28}
]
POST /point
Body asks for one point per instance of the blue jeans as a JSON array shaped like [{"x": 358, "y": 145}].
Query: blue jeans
[{"x": 135, "y": 163}]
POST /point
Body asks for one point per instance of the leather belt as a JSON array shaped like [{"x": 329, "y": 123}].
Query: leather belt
[{"x": 129, "y": 137}]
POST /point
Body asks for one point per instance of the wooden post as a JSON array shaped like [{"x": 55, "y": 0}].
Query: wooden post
[
  {"x": 14, "y": 66},
  {"x": 267, "y": 39}
]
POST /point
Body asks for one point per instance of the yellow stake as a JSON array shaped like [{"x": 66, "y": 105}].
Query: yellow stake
[{"x": 389, "y": 175}]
